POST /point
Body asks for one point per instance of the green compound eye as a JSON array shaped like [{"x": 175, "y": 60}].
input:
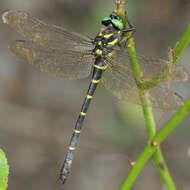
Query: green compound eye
[
  {"x": 117, "y": 23},
  {"x": 106, "y": 21}
]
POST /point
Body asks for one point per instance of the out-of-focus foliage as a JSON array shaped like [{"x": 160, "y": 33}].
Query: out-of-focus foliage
[{"x": 4, "y": 171}]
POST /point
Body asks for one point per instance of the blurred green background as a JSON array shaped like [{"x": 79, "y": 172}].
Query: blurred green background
[{"x": 38, "y": 111}]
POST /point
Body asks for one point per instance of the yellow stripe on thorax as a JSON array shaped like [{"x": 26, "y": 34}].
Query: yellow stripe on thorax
[
  {"x": 100, "y": 34},
  {"x": 113, "y": 42},
  {"x": 108, "y": 35}
]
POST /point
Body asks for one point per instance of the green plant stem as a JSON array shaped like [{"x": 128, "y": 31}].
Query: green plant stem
[
  {"x": 182, "y": 44},
  {"x": 150, "y": 123},
  {"x": 139, "y": 165},
  {"x": 179, "y": 48},
  {"x": 149, "y": 120},
  {"x": 171, "y": 124},
  {"x": 158, "y": 158},
  {"x": 162, "y": 168},
  {"x": 152, "y": 146}
]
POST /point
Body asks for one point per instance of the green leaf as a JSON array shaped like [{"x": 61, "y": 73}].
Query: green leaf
[{"x": 4, "y": 171}]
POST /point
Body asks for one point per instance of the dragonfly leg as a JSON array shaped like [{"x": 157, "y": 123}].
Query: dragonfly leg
[{"x": 131, "y": 29}]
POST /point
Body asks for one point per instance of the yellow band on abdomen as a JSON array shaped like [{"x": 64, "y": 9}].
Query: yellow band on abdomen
[
  {"x": 95, "y": 81},
  {"x": 82, "y": 113},
  {"x": 76, "y": 131},
  {"x": 89, "y": 97},
  {"x": 99, "y": 52},
  {"x": 72, "y": 148},
  {"x": 101, "y": 67}
]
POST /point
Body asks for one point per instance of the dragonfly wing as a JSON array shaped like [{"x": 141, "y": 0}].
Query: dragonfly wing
[
  {"x": 150, "y": 67},
  {"x": 64, "y": 63},
  {"x": 157, "y": 98},
  {"x": 118, "y": 78},
  {"x": 46, "y": 35},
  {"x": 119, "y": 85},
  {"x": 127, "y": 90}
]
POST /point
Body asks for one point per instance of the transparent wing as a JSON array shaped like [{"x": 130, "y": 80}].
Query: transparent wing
[
  {"x": 49, "y": 36},
  {"x": 118, "y": 78},
  {"x": 124, "y": 87},
  {"x": 150, "y": 67},
  {"x": 64, "y": 63}
]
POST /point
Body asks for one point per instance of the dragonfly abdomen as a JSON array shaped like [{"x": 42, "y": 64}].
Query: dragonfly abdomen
[{"x": 99, "y": 67}]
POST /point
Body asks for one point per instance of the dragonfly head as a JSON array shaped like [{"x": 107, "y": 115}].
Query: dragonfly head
[{"x": 114, "y": 20}]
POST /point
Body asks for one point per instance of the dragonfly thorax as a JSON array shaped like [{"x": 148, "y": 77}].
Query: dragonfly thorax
[{"x": 106, "y": 41}]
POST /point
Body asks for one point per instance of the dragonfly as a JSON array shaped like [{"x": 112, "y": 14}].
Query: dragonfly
[{"x": 56, "y": 50}]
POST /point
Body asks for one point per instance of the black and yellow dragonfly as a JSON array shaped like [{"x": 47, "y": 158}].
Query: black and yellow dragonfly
[{"x": 66, "y": 54}]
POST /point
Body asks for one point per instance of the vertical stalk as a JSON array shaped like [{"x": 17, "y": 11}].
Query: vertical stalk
[{"x": 158, "y": 158}]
